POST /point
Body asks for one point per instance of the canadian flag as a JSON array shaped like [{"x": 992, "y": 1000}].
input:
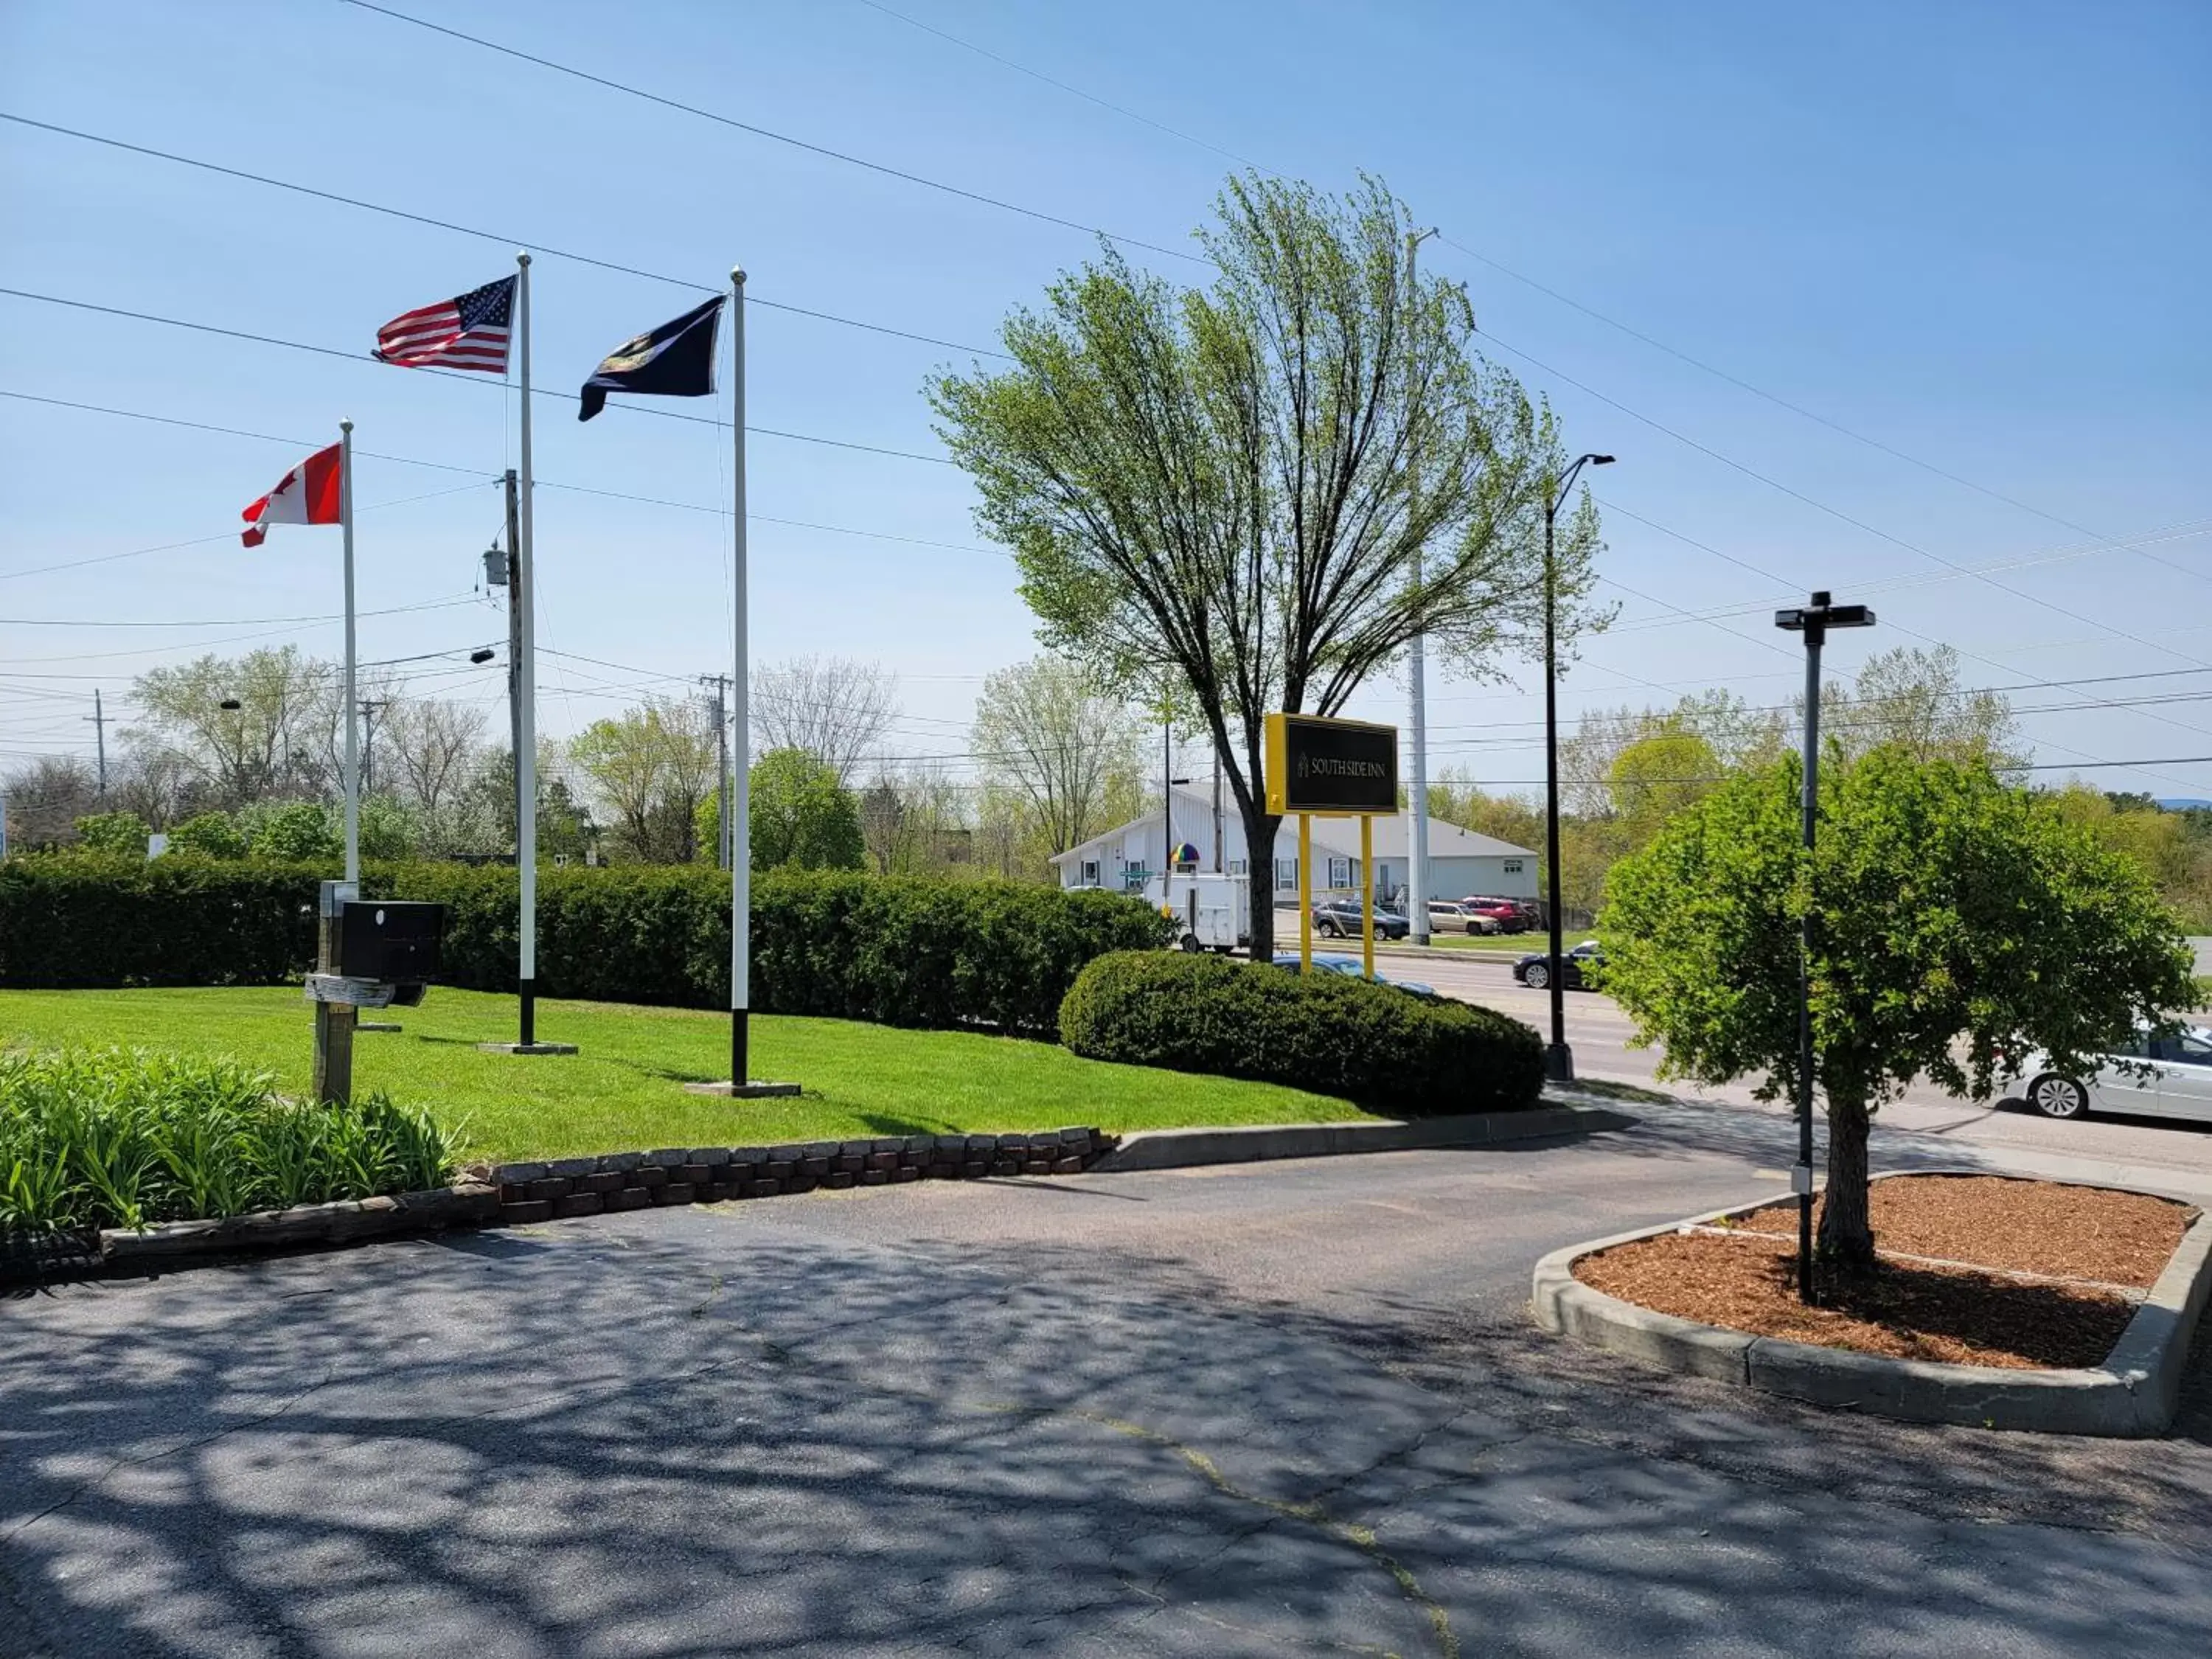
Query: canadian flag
[{"x": 309, "y": 494}]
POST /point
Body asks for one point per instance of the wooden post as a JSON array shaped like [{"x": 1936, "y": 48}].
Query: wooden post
[{"x": 334, "y": 1021}]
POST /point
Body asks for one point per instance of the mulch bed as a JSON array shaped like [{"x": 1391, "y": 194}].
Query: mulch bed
[{"x": 1918, "y": 1309}]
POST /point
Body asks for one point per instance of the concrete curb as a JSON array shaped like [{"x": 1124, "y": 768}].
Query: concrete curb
[
  {"x": 2134, "y": 1394},
  {"x": 1178, "y": 1149}
]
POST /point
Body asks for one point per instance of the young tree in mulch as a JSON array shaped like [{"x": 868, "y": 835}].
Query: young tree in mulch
[{"x": 1956, "y": 920}]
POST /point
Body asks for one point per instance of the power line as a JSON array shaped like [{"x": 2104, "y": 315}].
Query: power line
[
  {"x": 1503, "y": 270},
  {"x": 751, "y": 299},
  {"x": 456, "y": 376},
  {"x": 849, "y": 159},
  {"x": 447, "y": 467},
  {"x": 202, "y": 541}
]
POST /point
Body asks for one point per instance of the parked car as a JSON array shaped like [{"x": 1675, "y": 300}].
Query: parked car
[
  {"x": 1450, "y": 917},
  {"x": 1340, "y": 919},
  {"x": 1330, "y": 962},
  {"x": 1507, "y": 915},
  {"x": 1580, "y": 968},
  {"x": 2166, "y": 1077}
]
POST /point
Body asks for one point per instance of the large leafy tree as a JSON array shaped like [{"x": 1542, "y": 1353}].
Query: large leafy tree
[
  {"x": 1060, "y": 749},
  {"x": 1954, "y": 920},
  {"x": 800, "y": 814},
  {"x": 1264, "y": 489},
  {"x": 652, "y": 766}
]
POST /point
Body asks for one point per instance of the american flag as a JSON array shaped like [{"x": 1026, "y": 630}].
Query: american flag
[{"x": 468, "y": 332}]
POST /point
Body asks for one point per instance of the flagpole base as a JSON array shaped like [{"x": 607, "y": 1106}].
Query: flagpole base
[{"x": 753, "y": 1090}]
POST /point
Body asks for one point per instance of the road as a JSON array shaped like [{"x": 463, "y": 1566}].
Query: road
[
  {"x": 1599, "y": 1032},
  {"x": 1289, "y": 1409}
]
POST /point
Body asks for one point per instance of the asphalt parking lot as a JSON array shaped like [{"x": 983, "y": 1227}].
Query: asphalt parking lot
[{"x": 1280, "y": 1409}]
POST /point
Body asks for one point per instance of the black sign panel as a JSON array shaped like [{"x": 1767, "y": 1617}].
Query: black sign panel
[{"x": 1316, "y": 765}]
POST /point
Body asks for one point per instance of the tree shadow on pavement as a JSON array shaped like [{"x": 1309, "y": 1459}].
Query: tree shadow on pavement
[{"x": 669, "y": 1434}]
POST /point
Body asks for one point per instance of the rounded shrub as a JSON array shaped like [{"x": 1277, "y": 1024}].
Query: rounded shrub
[{"x": 1388, "y": 1048}]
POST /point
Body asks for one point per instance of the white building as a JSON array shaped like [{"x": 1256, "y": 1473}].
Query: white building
[{"x": 1462, "y": 863}]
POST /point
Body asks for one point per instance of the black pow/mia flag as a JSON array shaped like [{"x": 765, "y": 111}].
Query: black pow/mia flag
[{"x": 676, "y": 360}]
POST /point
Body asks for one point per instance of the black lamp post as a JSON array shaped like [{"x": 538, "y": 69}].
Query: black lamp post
[
  {"x": 1812, "y": 621},
  {"x": 1559, "y": 1059}
]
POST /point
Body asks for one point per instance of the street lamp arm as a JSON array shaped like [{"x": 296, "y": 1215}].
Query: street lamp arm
[{"x": 1552, "y": 507}]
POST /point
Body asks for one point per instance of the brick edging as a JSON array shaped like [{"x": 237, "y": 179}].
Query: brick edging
[{"x": 558, "y": 1188}]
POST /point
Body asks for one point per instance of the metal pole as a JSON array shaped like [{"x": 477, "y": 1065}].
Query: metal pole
[
  {"x": 1559, "y": 1059},
  {"x": 524, "y": 597},
  {"x": 1417, "y": 844},
  {"x": 1815, "y": 633},
  {"x": 352, "y": 746},
  {"x": 1367, "y": 906},
  {"x": 741, "y": 859},
  {"x": 514, "y": 658},
  {"x": 1305, "y": 892}
]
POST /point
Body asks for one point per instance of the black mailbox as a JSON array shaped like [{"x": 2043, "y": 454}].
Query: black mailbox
[{"x": 394, "y": 941}]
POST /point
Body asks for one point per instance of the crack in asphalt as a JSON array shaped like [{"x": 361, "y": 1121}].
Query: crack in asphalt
[
  {"x": 165, "y": 1452},
  {"x": 1310, "y": 1511}
]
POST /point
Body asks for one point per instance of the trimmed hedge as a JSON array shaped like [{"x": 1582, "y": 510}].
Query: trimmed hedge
[
  {"x": 1404, "y": 1054},
  {"x": 896, "y": 952}
]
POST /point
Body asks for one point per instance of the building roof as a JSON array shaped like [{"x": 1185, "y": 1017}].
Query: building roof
[{"x": 1338, "y": 835}]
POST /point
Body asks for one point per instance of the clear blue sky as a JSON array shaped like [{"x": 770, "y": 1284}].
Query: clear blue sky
[{"x": 1977, "y": 233}]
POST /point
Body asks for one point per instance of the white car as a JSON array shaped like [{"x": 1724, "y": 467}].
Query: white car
[{"x": 2172, "y": 1077}]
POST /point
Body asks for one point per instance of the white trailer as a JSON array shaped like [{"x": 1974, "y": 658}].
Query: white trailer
[{"x": 1211, "y": 912}]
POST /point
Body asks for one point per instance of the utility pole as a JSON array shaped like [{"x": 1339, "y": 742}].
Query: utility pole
[
  {"x": 1417, "y": 838},
  {"x": 99, "y": 720},
  {"x": 369, "y": 707},
  {"x": 511, "y": 568},
  {"x": 721, "y": 685},
  {"x": 1220, "y": 868}
]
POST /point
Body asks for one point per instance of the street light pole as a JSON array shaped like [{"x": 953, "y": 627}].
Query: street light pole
[
  {"x": 1417, "y": 818},
  {"x": 1813, "y": 621},
  {"x": 1559, "y": 1059}
]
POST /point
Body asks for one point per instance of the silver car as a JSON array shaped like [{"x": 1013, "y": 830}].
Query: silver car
[{"x": 2169, "y": 1077}]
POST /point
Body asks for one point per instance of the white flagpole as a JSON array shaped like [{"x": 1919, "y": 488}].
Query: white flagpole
[
  {"x": 525, "y": 577},
  {"x": 741, "y": 845},
  {"x": 352, "y": 708}
]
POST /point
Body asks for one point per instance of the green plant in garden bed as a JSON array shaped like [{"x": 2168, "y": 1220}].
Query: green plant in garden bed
[
  {"x": 116, "y": 1138},
  {"x": 1408, "y": 1055}
]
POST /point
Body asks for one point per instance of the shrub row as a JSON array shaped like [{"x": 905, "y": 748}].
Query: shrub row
[
  {"x": 898, "y": 951},
  {"x": 118, "y": 1140},
  {"x": 1404, "y": 1054}
]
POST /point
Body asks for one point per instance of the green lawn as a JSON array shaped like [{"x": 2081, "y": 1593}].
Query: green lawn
[{"x": 624, "y": 1091}]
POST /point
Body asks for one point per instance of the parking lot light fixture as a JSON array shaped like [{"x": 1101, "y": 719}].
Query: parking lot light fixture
[{"x": 1812, "y": 621}]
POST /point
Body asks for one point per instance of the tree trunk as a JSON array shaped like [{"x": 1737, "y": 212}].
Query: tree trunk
[
  {"x": 1260, "y": 828},
  {"x": 1846, "y": 1239}
]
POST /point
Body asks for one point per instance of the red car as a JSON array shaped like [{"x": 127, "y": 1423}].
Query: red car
[{"x": 1505, "y": 915}]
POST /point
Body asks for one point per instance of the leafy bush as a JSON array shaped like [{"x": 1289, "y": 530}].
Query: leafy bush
[
  {"x": 1408, "y": 1055},
  {"x": 208, "y": 836},
  {"x": 295, "y": 832},
  {"x": 116, "y": 1139},
  {"x": 118, "y": 834},
  {"x": 897, "y": 952}
]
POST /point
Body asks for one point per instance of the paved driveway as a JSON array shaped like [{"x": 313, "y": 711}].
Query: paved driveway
[{"x": 1285, "y": 1409}]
